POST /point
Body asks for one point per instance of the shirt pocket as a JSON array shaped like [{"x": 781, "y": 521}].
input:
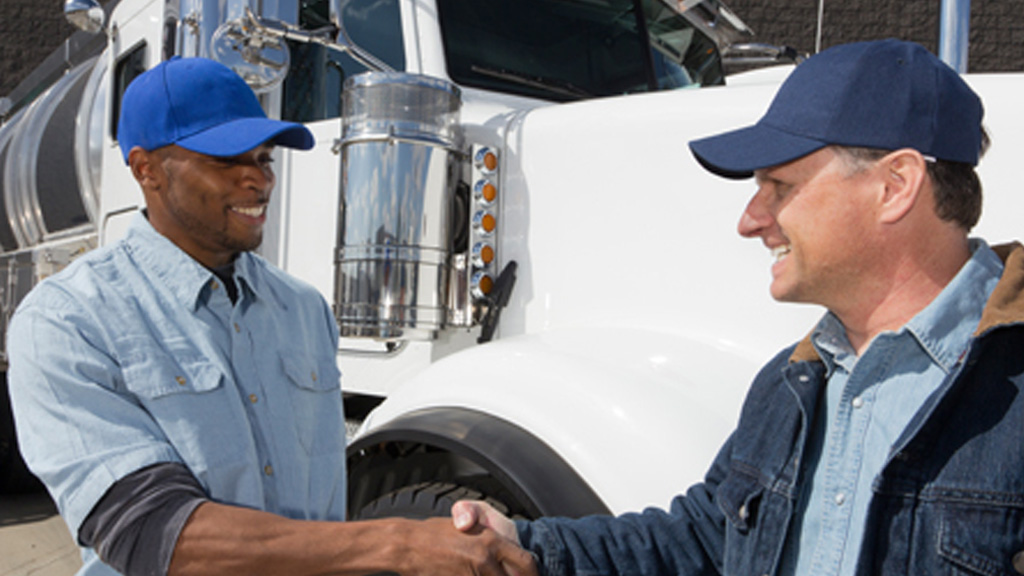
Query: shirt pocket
[
  {"x": 983, "y": 539},
  {"x": 185, "y": 394},
  {"x": 153, "y": 372},
  {"x": 316, "y": 401}
]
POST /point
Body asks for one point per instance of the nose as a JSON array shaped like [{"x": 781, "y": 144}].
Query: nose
[
  {"x": 259, "y": 175},
  {"x": 756, "y": 217}
]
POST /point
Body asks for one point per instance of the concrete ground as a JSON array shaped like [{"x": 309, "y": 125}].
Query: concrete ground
[{"x": 34, "y": 541}]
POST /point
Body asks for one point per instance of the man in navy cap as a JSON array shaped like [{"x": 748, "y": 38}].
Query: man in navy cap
[
  {"x": 889, "y": 441},
  {"x": 178, "y": 395}
]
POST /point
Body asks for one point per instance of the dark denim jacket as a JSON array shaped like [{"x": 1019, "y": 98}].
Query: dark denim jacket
[{"x": 950, "y": 500}]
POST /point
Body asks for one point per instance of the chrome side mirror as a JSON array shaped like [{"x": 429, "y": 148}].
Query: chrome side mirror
[
  {"x": 253, "y": 48},
  {"x": 335, "y": 12},
  {"x": 86, "y": 15}
]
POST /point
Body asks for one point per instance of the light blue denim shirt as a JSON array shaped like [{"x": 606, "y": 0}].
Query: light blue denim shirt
[
  {"x": 869, "y": 401},
  {"x": 135, "y": 355}
]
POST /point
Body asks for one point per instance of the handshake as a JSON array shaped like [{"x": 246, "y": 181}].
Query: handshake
[{"x": 484, "y": 542}]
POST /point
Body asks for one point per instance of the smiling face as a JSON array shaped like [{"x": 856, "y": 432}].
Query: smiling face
[
  {"x": 210, "y": 207},
  {"x": 817, "y": 217}
]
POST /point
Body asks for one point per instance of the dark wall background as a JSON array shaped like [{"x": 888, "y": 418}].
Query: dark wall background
[
  {"x": 31, "y": 29},
  {"x": 996, "y": 36}
]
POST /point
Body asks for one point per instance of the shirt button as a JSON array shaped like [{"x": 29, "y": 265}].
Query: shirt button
[
  {"x": 804, "y": 378},
  {"x": 253, "y": 398},
  {"x": 313, "y": 375},
  {"x": 840, "y": 499},
  {"x": 214, "y": 285},
  {"x": 1018, "y": 562},
  {"x": 268, "y": 470},
  {"x": 743, "y": 512},
  {"x": 858, "y": 402},
  {"x": 180, "y": 380},
  {"x": 237, "y": 327}
]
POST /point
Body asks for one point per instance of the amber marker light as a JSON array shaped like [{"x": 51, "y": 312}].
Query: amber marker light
[
  {"x": 487, "y": 159},
  {"x": 482, "y": 285},
  {"x": 485, "y": 222},
  {"x": 485, "y": 191},
  {"x": 483, "y": 254}
]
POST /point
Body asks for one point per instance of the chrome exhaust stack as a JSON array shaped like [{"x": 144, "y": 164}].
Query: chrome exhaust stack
[{"x": 401, "y": 156}]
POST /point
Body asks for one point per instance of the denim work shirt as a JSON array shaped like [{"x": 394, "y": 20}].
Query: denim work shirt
[
  {"x": 135, "y": 355},
  {"x": 949, "y": 498}
]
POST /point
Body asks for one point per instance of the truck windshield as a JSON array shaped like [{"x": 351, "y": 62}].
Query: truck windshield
[{"x": 573, "y": 49}]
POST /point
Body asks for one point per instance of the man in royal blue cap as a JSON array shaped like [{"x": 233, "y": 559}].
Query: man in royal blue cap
[
  {"x": 178, "y": 395},
  {"x": 889, "y": 440}
]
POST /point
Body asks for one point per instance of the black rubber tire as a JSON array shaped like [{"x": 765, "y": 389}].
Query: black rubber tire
[{"x": 424, "y": 500}]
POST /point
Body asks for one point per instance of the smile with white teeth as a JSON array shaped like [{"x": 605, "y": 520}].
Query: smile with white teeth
[
  {"x": 780, "y": 252},
  {"x": 250, "y": 211}
]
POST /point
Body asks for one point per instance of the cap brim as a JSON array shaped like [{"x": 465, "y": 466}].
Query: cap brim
[
  {"x": 737, "y": 154},
  {"x": 240, "y": 136}
]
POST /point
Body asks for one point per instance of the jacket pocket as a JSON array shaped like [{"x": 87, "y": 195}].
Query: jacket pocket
[
  {"x": 983, "y": 539},
  {"x": 739, "y": 497},
  {"x": 756, "y": 521}
]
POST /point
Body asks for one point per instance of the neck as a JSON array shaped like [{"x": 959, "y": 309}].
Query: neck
[{"x": 908, "y": 287}]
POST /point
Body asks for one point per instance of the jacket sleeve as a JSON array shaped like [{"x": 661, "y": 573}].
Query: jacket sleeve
[{"x": 686, "y": 539}]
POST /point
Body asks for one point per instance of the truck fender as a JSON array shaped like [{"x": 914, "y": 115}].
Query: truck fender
[
  {"x": 655, "y": 404},
  {"x": 538, "y": 478}
]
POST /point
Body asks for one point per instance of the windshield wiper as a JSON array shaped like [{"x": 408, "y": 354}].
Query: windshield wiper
[{"x": 550, "y": 84}]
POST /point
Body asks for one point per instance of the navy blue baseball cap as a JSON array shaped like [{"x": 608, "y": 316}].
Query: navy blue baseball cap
[
  {"x": 885, "y": 94},
  {"x": 203, "y": 106}
]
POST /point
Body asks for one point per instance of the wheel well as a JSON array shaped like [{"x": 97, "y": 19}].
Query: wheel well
[{"x": 474, "y": 449}]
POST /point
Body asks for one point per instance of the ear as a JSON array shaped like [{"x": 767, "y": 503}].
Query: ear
[
  {"x": 147, "y": 169},
  {"x": 904, "y": 173}
]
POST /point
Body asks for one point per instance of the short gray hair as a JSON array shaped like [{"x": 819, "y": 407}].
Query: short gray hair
[{"x": 957, "y": 186}]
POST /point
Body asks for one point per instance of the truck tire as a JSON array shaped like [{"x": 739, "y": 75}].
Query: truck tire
[{"x": 424, "y": 500}]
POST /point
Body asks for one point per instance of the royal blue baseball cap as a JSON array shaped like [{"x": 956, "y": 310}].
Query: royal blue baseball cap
[
  {"x": 203, "y": 106},
  {"x": 886, "y": 94}
]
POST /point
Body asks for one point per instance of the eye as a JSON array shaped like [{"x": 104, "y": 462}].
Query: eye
[
  {"x": 782, "y": 190},
  {"x": 226, "y": 161}
]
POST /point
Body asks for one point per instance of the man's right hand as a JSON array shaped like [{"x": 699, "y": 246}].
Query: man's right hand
[
  {"x": 469, "y": 514},
  {"x": 222, "y": 539}
]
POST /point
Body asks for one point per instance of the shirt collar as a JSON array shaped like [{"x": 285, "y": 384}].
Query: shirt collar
[
  {"x": 186, "y": 278},
  {"x": 943, "y": 328}
]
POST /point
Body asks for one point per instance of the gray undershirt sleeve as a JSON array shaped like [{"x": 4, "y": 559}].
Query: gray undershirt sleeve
[{"x": 135, "y": 526}]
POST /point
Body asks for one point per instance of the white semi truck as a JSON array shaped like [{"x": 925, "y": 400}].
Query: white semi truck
[{"x": 541, "y": 296}]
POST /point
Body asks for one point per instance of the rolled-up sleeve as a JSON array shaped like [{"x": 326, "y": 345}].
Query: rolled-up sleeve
[{"x": 79, "y": 431}]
